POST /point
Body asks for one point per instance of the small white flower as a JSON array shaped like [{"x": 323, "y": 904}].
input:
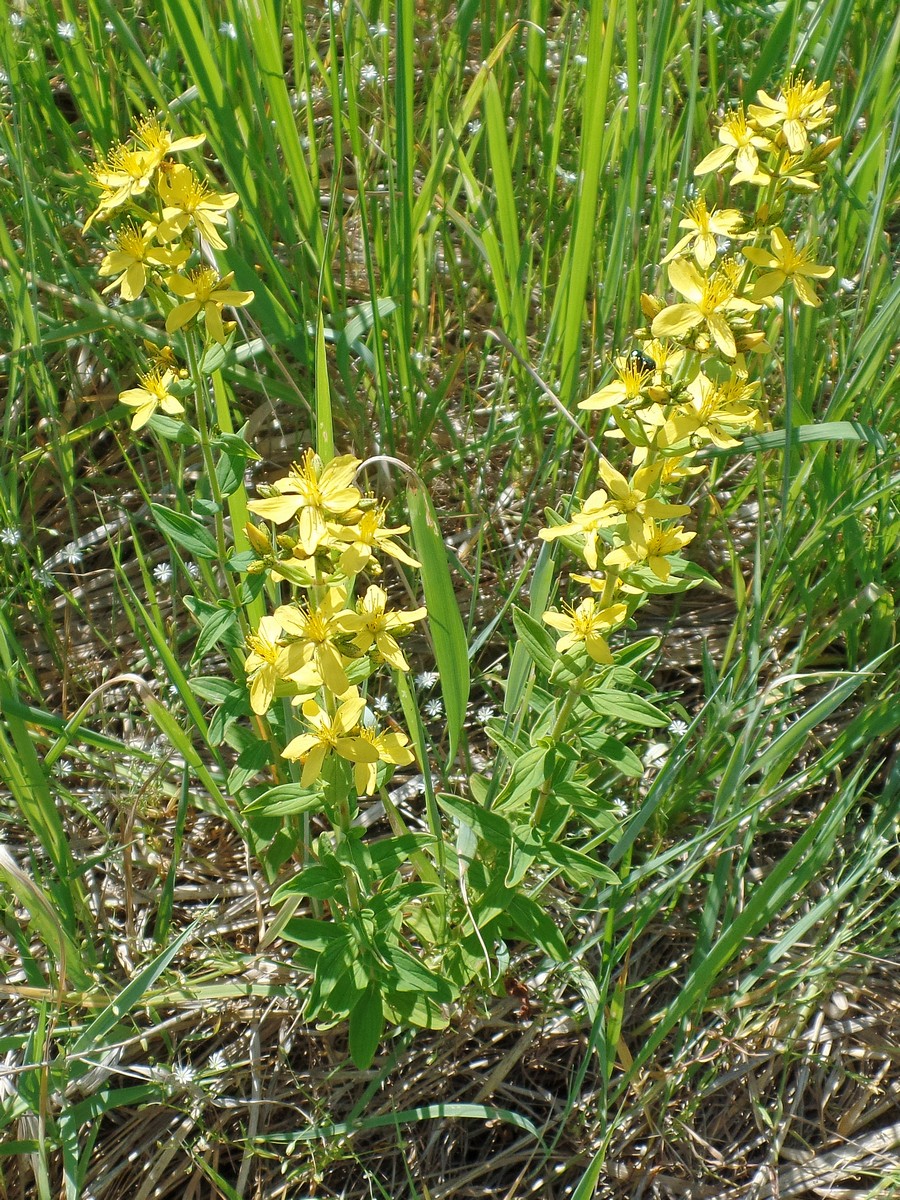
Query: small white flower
[
  {"x": 44, "y": 577},
  {"x": 66, "y": 30},
  {"x": 484, "y": 713},
  {"x": 193, "y": 570},
  {"x": 712, "y": 21},
  {"x": 10, "y": 536},
  {"x": 622, "y": 81},
  {"x": 620, "y": 808},
  {"x": 218, "y": 1061},
  {"x": 434, "y": 709},
  {"x": 64, "y": 766},
  {"x": 183, "y": 1073},
  {"x": 381, "y": 704},
  {"x": 109, "y": 27},
  {"x": 162, "y": 572},
  {"x": 427, "y": 679},
  {"x": 678, "y": 728},
  {"x": 379, "y": 31},
  {"x": 16, "y": 20},
  {"x": 71, "y": 554},
  {"x": 228, "y": 30},
  {"x": 369, "y": 74},
  {"x": 474, "y": 127}
]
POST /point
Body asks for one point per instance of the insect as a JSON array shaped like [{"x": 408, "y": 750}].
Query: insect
[{"x": 643, "y": 361}]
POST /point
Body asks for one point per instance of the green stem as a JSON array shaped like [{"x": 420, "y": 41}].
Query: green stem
[
  {"x": 201, "y": 393},
  {"x": 559, "y": 727}
]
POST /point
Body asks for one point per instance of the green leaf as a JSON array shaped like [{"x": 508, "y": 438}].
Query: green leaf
[
  {"x": 315, "y": 935},
  {"x": 580, "y": 869},
  {"x": 186, "y": 533},
  {"x": 366, "y": 1027},
  {"x": 213, "y": 689},
  {"x": 451, "y": 650},
  {"x": 625, "y": 706},
  {"x": 611, "y": 750},
  {"x": 801, "y": 435},
  {"x": 323, "y": 881},
  {"x": 285, "y": 800},
  {"x": 414, "y": 976},
  {"x": 488, "y": 825},
  {"x": 537, "y": 641},
  {"x": 535, "y": 926}
]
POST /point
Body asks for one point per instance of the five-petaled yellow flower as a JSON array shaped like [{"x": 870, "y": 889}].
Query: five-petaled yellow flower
[
  {"x": 338, "y": 734},
  {"x": 714, "y": 414},
  {"x": 707, "y": 300},
  {"x": 392, "y": 748},
  {"x": 187, "y": 200},
  {"x": 705, "y": 227},
  {"x": 318, "y": 632},
  {"x": 651, "y": 546},
  {"x": 739, "y": 141},
  {"x": 787, "y": 263},
  {"x": 367, "y": 535},
  {"x": 204, "y": 290},
  {"x": 799, "y": 109},
  {"x": 314, "y": 493},
  {"x": 136, "y": 250},
  {"x": 152, "y": 394},
  {"x": 270, "y": 662},
  {"x": 585, "y": 626},
  {"x": 372, "y": 624}
]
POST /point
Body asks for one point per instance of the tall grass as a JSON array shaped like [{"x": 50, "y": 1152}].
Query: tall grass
[{"x": 420, "y": 191}]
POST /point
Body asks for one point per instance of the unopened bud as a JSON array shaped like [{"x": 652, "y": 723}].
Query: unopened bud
[
  {"x": 258, "y": 538},
  {"x": 650, "y": 305}
]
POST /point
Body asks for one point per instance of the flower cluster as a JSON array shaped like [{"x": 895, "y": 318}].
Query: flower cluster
[
  {"x": 167, "y": 223},
  {"x": 318, "y": 651},
  {"x": 688, "y": 386}
]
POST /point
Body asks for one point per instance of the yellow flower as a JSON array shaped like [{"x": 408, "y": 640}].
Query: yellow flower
[
  {"x": 787, "y": 264},
  {"x": 372, "y": 624},
  {"x": 338, "y": 734},
  {"x": 269, "y": 662},
  {"x": 585, "y": 626},
  {"x": 626, "y": 391},
  {"x": 204, "y": 290},
  {"x": 368, "y": 535},
  {"x": 125, "y": 173},
  {"x": 187, "y": 200},
  {"x": 706, "y": 226},
  {"x": 739, "y": 142},
  {"x": 631, "y": 500},
  {"x": 585, "y": 523},
  {"x": 136, "y": 250},
  {"x": 318, "y": 631},
  {"x": 708, "y": 298},
  {"x": 798, "y": 109},
  {"x": 152, "y": 394},
  {"x": 391, "y": 747},
  {"x": 714, "y": 414},
  {"x": 319, "y": 493},
  {"x": 151, "y": 135},
  {"x": 651, "y": 546}
]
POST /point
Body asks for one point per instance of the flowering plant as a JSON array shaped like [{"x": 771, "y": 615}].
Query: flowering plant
[{"x": 393, "y": 928}]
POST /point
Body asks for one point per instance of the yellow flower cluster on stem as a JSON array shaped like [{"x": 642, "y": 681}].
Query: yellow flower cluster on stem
[
  {"x": 688, "y": 384},
  {"x": 318, "y": 649},
  {"x": 168, "y": 223},
  {"x": 315, "y": 652}
]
